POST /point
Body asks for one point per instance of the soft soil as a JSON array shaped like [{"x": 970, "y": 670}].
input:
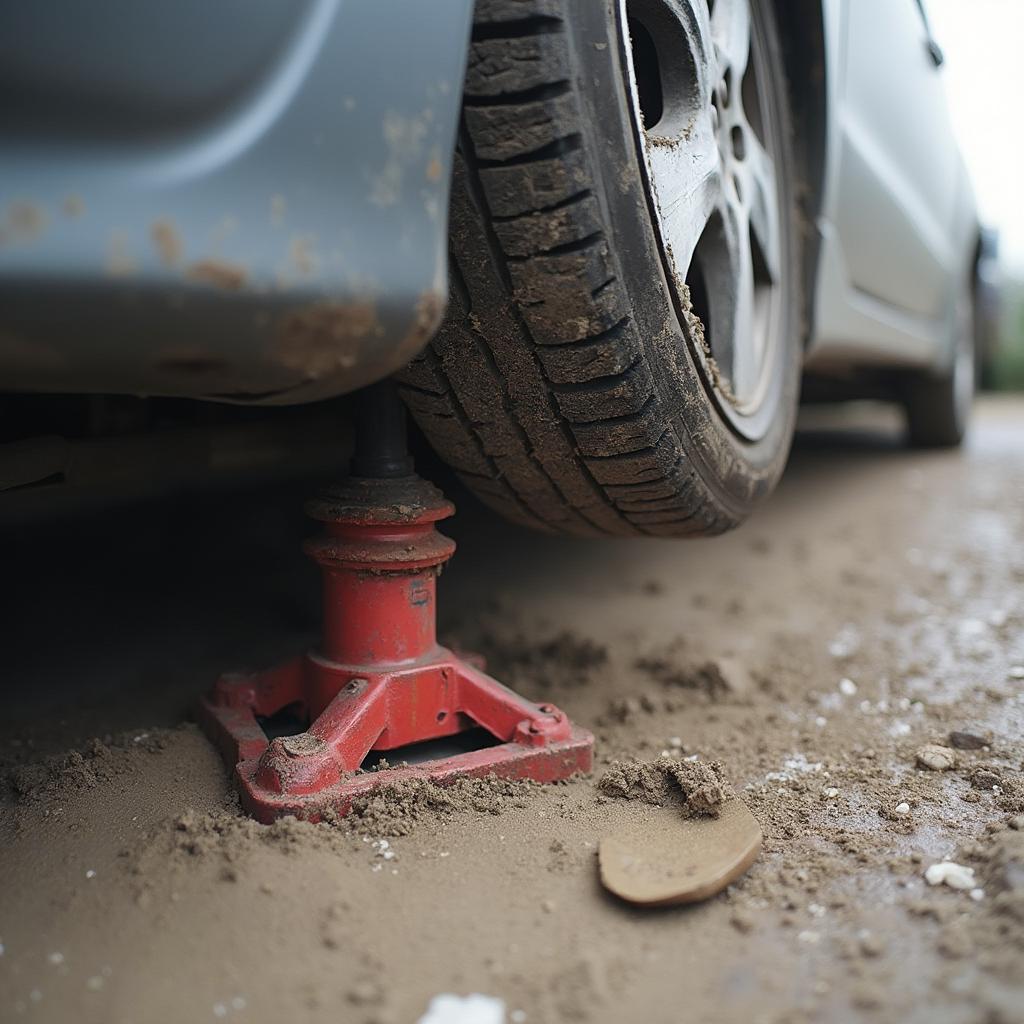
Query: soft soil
[{"x": 133, "y": 890}]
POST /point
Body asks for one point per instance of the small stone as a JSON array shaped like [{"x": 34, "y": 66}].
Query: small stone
[
  {"x": 847, "y": 687},
  {"x": 1017, "y": 671},
  {"x": 902, "y": 809},
  {"x": 977, "y": 895},
  {"x": 946, "y": 872},
  {"x": 741, "y": 921},
  {"x": 967, "y": 740},
  {"x": 870, "y": 944},
  {"x": 830, "y": 792},
  {"x": 936, "y": 758}
]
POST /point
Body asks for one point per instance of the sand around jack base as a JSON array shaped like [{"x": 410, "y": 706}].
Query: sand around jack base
[{"x": 395, "y": 809}]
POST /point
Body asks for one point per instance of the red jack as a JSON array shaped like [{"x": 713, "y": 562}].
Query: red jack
[{"x": 380, "y": 680}]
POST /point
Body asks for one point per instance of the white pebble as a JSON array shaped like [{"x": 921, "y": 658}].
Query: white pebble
[
  {"x": 821, "y": 721},
  {"x": 902, "y": 809},
  {"x": 847, "y": 687},
  {"x": 956, "y": 876},
  {"x": 675, "y": 741},
  {"x": 845, "y": 644},
  {"x": 830, "y": 792},
  {"x": 977, "y": 895},
  {"x": 56, "y": 958},
  {"x": 809, "y": 936},
  {"x": 1017, "y": 671},
  {"x": 517, "y": 1016},
  {"x": 472, "y": 1009},
  {"x": 90, "y": 873}
]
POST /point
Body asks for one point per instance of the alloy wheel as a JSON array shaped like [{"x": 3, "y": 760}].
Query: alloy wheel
[{"x": 707, "y": 127}]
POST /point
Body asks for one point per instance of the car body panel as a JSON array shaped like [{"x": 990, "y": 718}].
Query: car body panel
[
  {"x": 898, "y": 222},
  {"x": 209, "y": 201}
]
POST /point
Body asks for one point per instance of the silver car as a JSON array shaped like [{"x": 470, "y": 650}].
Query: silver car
[{"x": 604, "y": 244}]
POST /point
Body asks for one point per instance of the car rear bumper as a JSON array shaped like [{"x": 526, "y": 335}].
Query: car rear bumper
[{"x": 246, "y": 200}]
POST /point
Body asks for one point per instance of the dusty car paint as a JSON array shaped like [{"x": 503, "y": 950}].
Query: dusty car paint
[{"x": 270, "y": 226}]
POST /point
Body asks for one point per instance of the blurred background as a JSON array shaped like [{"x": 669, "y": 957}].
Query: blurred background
[{"x": 984, "y": 79}]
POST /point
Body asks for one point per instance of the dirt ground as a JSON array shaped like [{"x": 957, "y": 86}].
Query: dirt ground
[{"x": 874, "y": 606}]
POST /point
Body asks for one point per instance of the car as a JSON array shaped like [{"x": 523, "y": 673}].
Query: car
[{"x": 668, "y": 220}]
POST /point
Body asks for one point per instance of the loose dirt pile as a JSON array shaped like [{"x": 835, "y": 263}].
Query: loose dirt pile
[
  {"x": 696, "y": 787},
  {"x": 396, "y": 810}
]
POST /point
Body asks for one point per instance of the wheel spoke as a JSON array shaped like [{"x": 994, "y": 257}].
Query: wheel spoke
[
  {"x": 686, "y": 181},
  {"x": 756, "y": 177},
  {"x": 726, "y": 266},
  {"x": 747, "y": 345},
  {"x": 730, "y": 30}
]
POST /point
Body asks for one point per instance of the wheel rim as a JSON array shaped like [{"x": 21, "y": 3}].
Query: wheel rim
[{"x": 708, "y": 131}]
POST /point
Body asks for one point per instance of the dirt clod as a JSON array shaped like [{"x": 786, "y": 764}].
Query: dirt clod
[{"x": 698, "y": 787}]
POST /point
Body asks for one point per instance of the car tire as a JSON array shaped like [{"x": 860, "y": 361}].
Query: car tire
[
  {"x": 587, "y": 377},
  {"x": 938, "y": 405}
]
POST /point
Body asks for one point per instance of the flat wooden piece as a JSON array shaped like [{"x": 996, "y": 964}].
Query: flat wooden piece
[{"x": 667, "y": 859}]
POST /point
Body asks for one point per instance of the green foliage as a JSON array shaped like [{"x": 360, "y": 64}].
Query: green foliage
[{"x": 1005, "y": 369}]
